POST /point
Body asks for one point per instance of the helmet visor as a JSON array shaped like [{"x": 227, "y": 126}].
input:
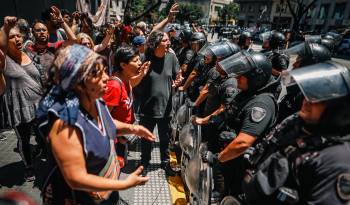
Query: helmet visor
[
  {"x": 265, "y": 36},
  {"x": 321, "y": 82},
  {"x": 296, "y": 50},
  {"x": 313, "y": 38},
  {"x": 236, "y": 64},
  {"x": 221, "y": 50},
  {"x": 204, "y": 50}
]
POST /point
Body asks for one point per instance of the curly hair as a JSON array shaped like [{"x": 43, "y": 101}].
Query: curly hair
[{"x": 153, "y": 41}]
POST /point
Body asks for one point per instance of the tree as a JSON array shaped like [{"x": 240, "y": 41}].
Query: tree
[
  {"x": 302, "y": 8},
  {"x": 228, "y": 12},
  {"x": 137, "y": 9},
  {"x": 189, "y": 12}
]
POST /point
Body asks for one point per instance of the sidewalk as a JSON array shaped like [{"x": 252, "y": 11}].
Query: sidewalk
[{"x": 155, "y": 191}]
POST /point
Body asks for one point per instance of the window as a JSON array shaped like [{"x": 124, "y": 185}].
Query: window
[
  {"x": 217, "y": 8},
  {"x": 123, "y": 4},
  {"x": 323, "y": 11},
  {"x": 250, "y": 8},
  {"x": 339, "y": 11}
]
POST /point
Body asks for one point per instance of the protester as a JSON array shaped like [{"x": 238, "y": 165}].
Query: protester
[
  {"x": 74, "y": 118},
  {"x": 128, "y": 73},
  {"x": 21, "y": 90},
  {"x": 155, "y": 98}
]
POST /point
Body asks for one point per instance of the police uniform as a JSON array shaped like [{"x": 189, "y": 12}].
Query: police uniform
[
  {"x": 252, "y": 112},
  {"x": 185, "y": 56},
  {"x": 307, "y": 163}
]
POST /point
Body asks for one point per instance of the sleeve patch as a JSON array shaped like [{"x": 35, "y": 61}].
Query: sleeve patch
[{"x": 258, "y": 114}]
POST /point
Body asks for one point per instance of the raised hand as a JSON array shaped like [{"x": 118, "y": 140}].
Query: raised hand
[
  {"x": 9, "y": 22},
  {"x": 56, "y": 14},
  {"x": 76, "y": 15},
  {"x": 145, "y": 68},
  {"x": 173, "y": 10}
]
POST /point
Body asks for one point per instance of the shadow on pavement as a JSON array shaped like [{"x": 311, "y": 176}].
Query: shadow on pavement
[{"x": 12, "y": 174}]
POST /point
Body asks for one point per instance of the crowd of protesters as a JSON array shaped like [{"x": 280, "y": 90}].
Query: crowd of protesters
[
  {"x": 86, "y": 92},
  {"x": 80, "y": 98}
]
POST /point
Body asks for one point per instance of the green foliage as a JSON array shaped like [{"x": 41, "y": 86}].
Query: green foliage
[
  {"x": 189, "y": 12},
  {"x": 228, "y": 12},
  {"x": 137, "y": 7},
  {"x": 164, "y": 12}
]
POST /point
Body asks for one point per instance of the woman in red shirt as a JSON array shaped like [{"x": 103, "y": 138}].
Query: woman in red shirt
[{"x": 128, "y": 72}]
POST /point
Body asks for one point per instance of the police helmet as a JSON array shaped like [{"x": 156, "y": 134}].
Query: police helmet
[
  {"x": 329, "y": 43},
  {"x": 325, "y": 82},
  {"x": 276, "y": 39},
  {"x": 310, "y": 53},
  {"x": 223, "y": 49},
  {"x": 185, "y": 35},
  {"x": 235, "y": 32},
  {"x": 254, "y": 66},
  {"x": 199, "y": 37},
  {"x": 335, "y": 36},
  {"x": 242, "y": 38}
]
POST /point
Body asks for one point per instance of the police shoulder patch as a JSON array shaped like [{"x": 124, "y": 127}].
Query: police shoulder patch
[{"x": 258, "y": 114}]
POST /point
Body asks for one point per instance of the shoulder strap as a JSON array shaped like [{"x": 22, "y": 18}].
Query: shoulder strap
[
  {"x": 121, "y": 87},
  {"x": 36, "y": 61}
]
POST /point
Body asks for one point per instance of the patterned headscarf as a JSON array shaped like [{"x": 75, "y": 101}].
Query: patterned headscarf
[{"x": 73, "y": 64}]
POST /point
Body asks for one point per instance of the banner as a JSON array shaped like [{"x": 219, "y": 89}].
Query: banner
[{"x": 102, "y": 13}]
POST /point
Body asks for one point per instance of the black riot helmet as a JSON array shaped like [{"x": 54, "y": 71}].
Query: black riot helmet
[
  {"x": 276, "y": 39},
  {"x": 221, "y": 50},
  {"x": 198, "y": 37},
  {"x": 185, "y": 35},
  {"x": 235, "y": 32},
  {"x": 243, "y": 37},
  {"x": 254, "y": 66},
  {"x": 329, "y": 43},
  {"x": 335, "y": 36},
  {"x": 310, "y": 53},
  {"x": 325, "y": 82}
]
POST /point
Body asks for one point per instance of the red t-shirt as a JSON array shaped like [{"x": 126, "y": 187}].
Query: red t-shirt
[
  {"x": 50, "y": 46},
  {"x": 120, "y": 97}
]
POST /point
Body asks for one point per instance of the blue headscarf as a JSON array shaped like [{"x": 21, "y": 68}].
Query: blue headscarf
[{"x": 61, "y": 99}]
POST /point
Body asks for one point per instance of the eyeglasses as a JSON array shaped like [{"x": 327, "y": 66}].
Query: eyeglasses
[{"x": 40, "y": 30}]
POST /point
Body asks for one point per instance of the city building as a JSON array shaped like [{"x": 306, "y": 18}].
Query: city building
[
  {"x": 265, "y": 13},
  {"x": 117, "y": 8},
  {"x": 215, "y": 6},
  {"x": 328, "y": 15}
]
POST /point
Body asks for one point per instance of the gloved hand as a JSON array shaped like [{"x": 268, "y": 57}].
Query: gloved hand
[{"x": 210, "y": 158}]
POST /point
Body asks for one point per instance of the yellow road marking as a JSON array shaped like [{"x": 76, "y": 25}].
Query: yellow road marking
[{"x": 177, "y": 190}]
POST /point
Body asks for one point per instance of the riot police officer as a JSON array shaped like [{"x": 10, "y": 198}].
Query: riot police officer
[
  {"x": 305, "y": 159},
  {"x": 245, "y": 41},
  {"x": 214, "y": 54},
  {"x": 305, "y": 54},
  {"x": 251, "y": 114},
  {"x": 198, "y": 40},
  {"x": 235, "y": 35},
  {"x": 273, "y": 43},
  {"x": 185, "y": 54}
]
